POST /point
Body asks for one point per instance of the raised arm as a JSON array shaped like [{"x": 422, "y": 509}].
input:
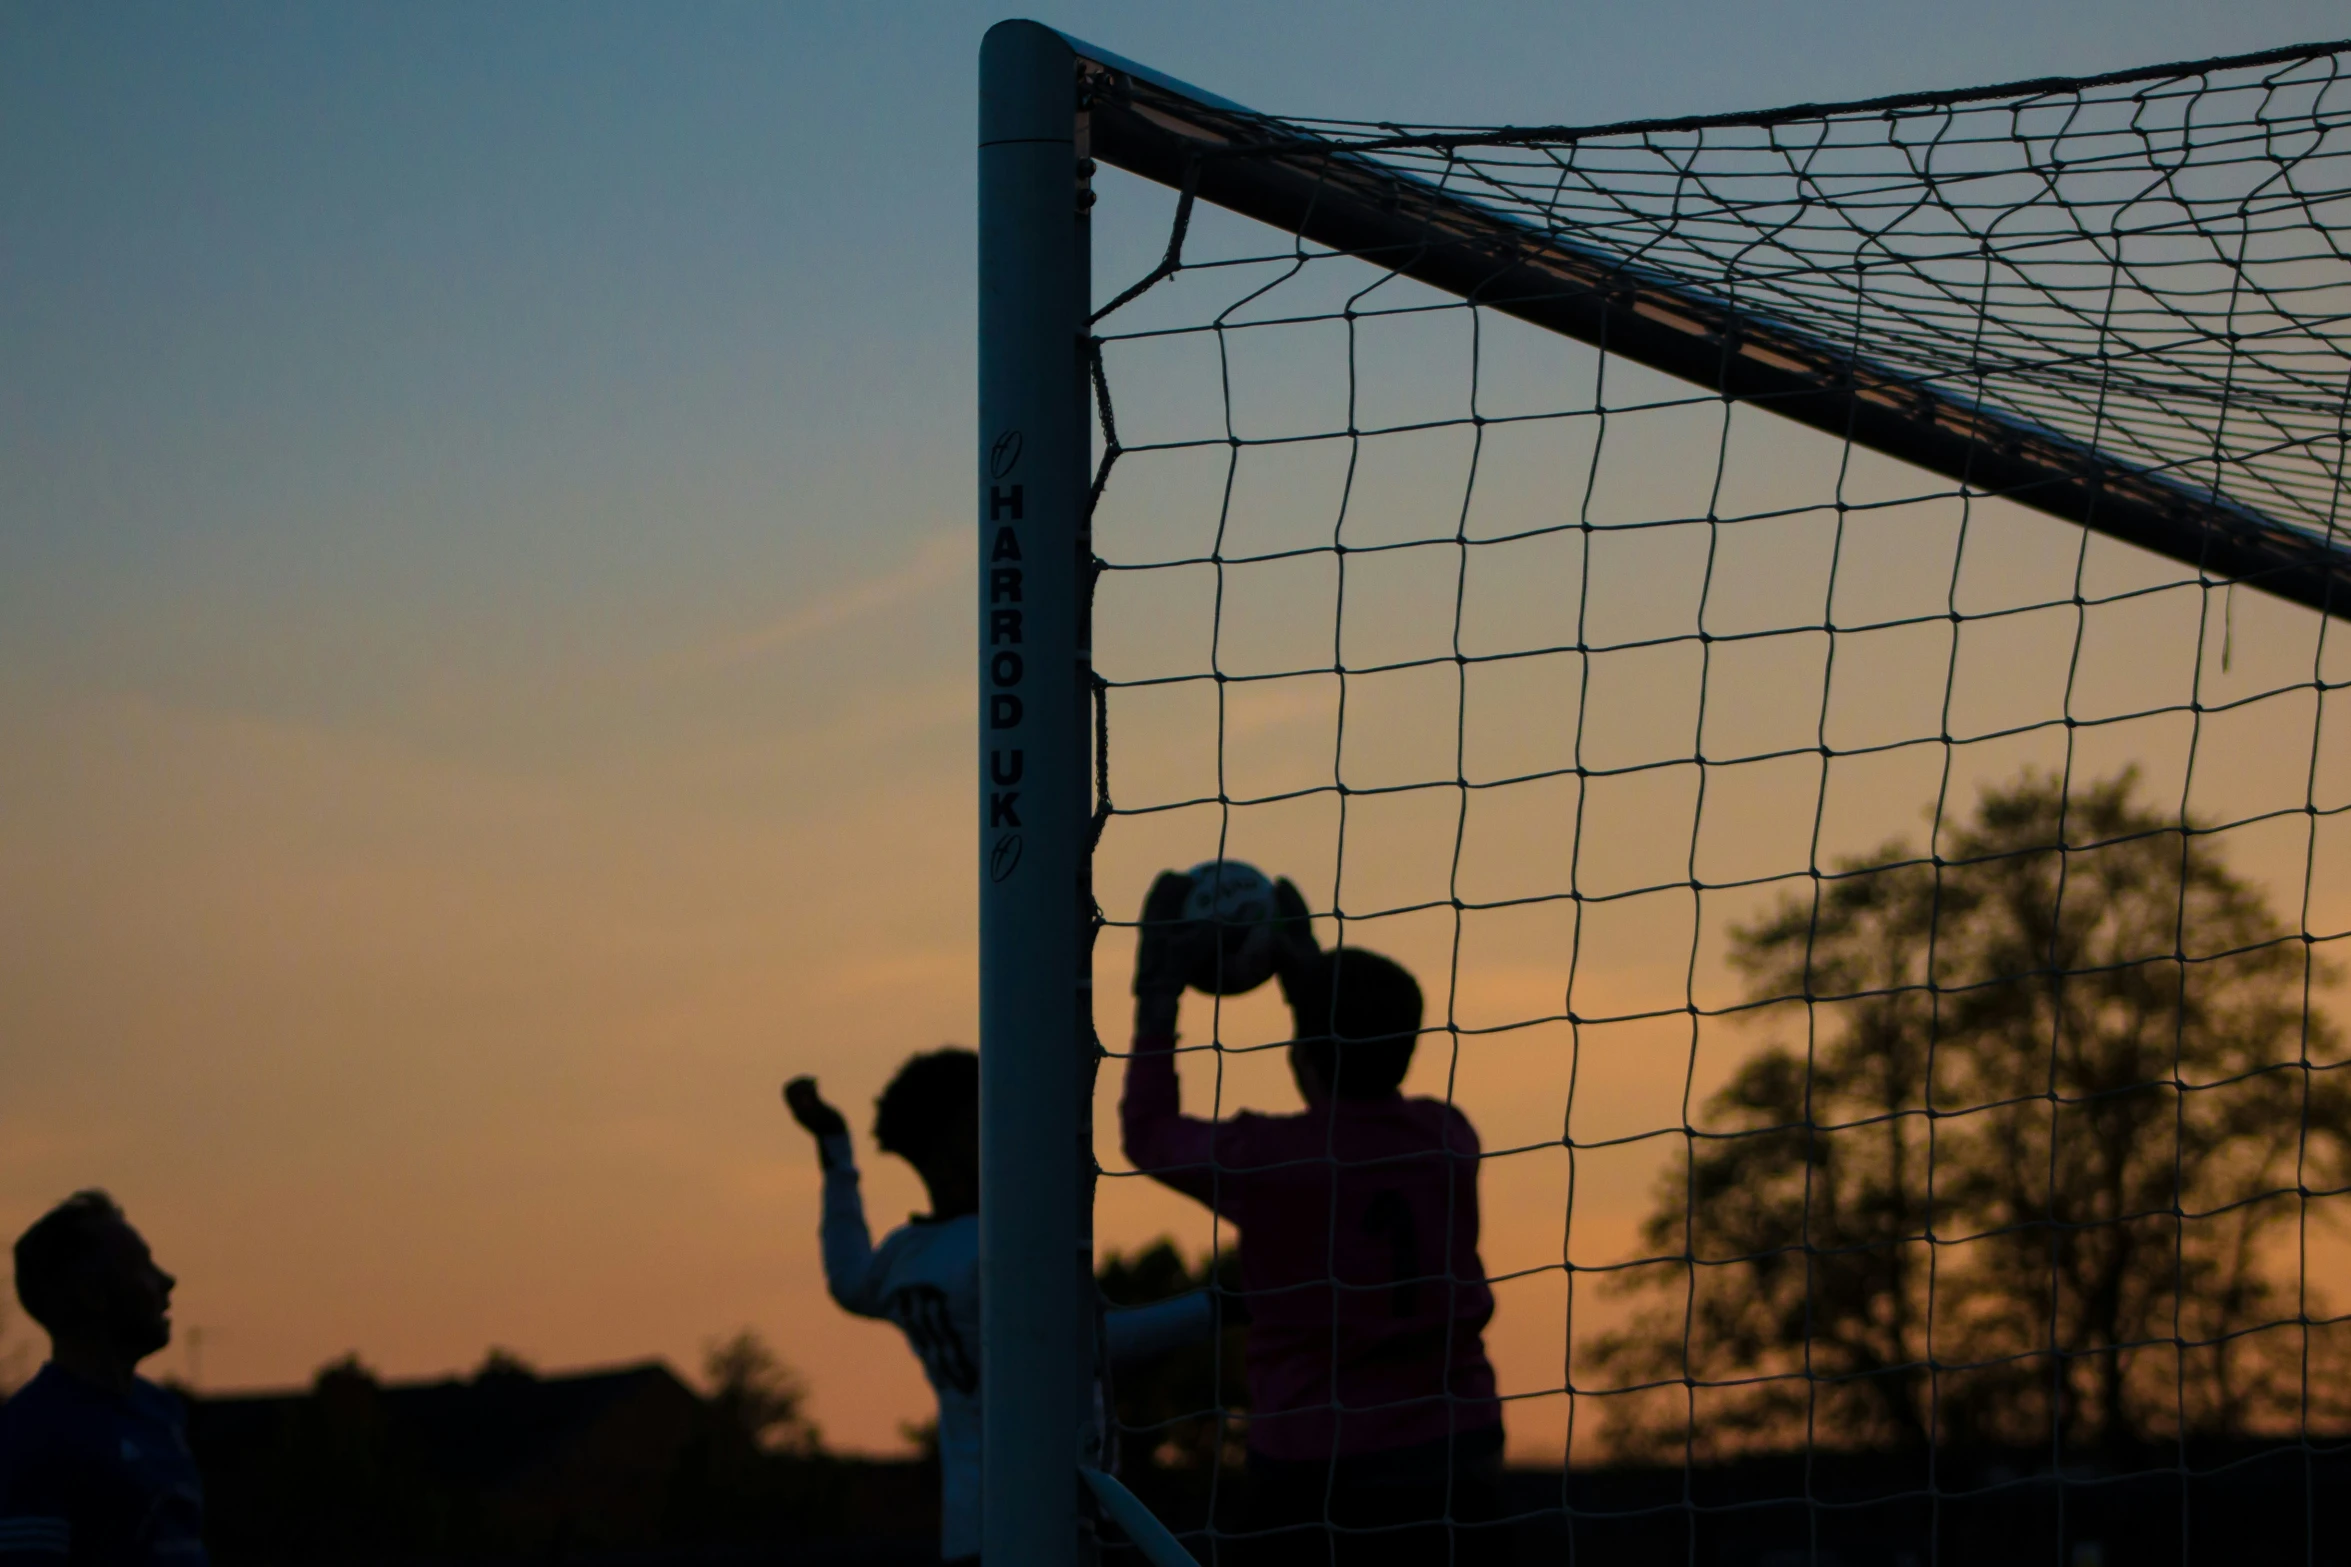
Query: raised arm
[
  {"x": 1160, "y": 1139},
  {"x": 842, "y": 1236}
]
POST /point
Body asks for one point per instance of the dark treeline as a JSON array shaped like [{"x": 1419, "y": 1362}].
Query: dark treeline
[
  {"x": 510, "y": 1465},
  {"x": 632, "y": 1465}
]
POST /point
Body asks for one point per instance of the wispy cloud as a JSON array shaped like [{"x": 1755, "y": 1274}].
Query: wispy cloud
[{"x": 939, "y": 559}]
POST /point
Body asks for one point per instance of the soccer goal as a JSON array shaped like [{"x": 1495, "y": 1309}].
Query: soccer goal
[{"x": 1815, "y": 636}]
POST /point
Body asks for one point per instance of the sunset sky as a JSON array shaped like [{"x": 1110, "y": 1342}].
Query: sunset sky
[{"x": 485, "y": 676}]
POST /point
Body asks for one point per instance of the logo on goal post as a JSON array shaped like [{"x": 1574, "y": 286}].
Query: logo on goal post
[
  {"x": 1005, "y": 858},
  {"x": 1004, "y": 456}
]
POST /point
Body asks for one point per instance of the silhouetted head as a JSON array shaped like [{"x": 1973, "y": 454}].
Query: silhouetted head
[
  {"x": 1357, "y": 1017},
  {"x": 85, "y": 1275},
  {"x": 935, "y": 1098},
  {"x": 930, "y": 1117}
]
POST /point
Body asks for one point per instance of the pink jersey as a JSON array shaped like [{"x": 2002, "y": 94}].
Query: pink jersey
[{"x": 1359, "y": 1258}]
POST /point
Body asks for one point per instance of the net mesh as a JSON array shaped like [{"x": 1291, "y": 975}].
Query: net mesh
[{"x": 1883, "y": 935}]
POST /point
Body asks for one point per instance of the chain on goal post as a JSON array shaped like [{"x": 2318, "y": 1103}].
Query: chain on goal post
[{"x": 1816, "y": 637}]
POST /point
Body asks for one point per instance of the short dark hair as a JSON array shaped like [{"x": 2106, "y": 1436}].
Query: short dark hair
[
  {"x": 933, "y": 1094},
  {"x": 58, "y": 1245},
  {"x": 1358, "y": 1017}
]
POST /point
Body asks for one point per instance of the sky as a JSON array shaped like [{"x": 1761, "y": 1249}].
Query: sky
[{"x": 484, "y": 618}]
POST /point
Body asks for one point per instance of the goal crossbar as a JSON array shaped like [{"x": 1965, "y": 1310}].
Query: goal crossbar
[{"x": 1329, "y": 195}]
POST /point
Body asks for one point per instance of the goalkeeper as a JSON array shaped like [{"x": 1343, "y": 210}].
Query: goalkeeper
[{"x": 1371, "y": 1402}]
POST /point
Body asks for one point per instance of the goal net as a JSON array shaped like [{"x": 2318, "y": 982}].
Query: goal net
[{"x": 1815, "y": 637}]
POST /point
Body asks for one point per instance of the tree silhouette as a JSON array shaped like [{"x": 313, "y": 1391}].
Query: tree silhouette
[
  {"x": 2034, "y": 1169},
  {"x": 754, "y": 1394}
]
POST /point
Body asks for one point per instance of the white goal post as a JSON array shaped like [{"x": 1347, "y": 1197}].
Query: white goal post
[{"x": 1036, "y": 904}]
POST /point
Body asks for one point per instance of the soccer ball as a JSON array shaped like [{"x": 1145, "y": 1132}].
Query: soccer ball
[{"x": 1237, "y": 901}]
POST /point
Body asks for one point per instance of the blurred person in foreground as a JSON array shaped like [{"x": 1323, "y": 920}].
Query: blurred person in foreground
[
  {"x": 1374, "y": 1434},
  {"x": 94, "y": 1463}
]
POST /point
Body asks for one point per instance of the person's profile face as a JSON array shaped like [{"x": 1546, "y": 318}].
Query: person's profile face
[{"x": 126, "y": 1297}]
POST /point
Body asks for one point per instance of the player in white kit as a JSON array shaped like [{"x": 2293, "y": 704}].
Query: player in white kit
[{"x": 925, "y": 1275}]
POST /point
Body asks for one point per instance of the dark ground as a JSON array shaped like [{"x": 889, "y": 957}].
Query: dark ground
[
  {"x": 631, "y": 1468},
  {"x": 2243, "y": 1505}
]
